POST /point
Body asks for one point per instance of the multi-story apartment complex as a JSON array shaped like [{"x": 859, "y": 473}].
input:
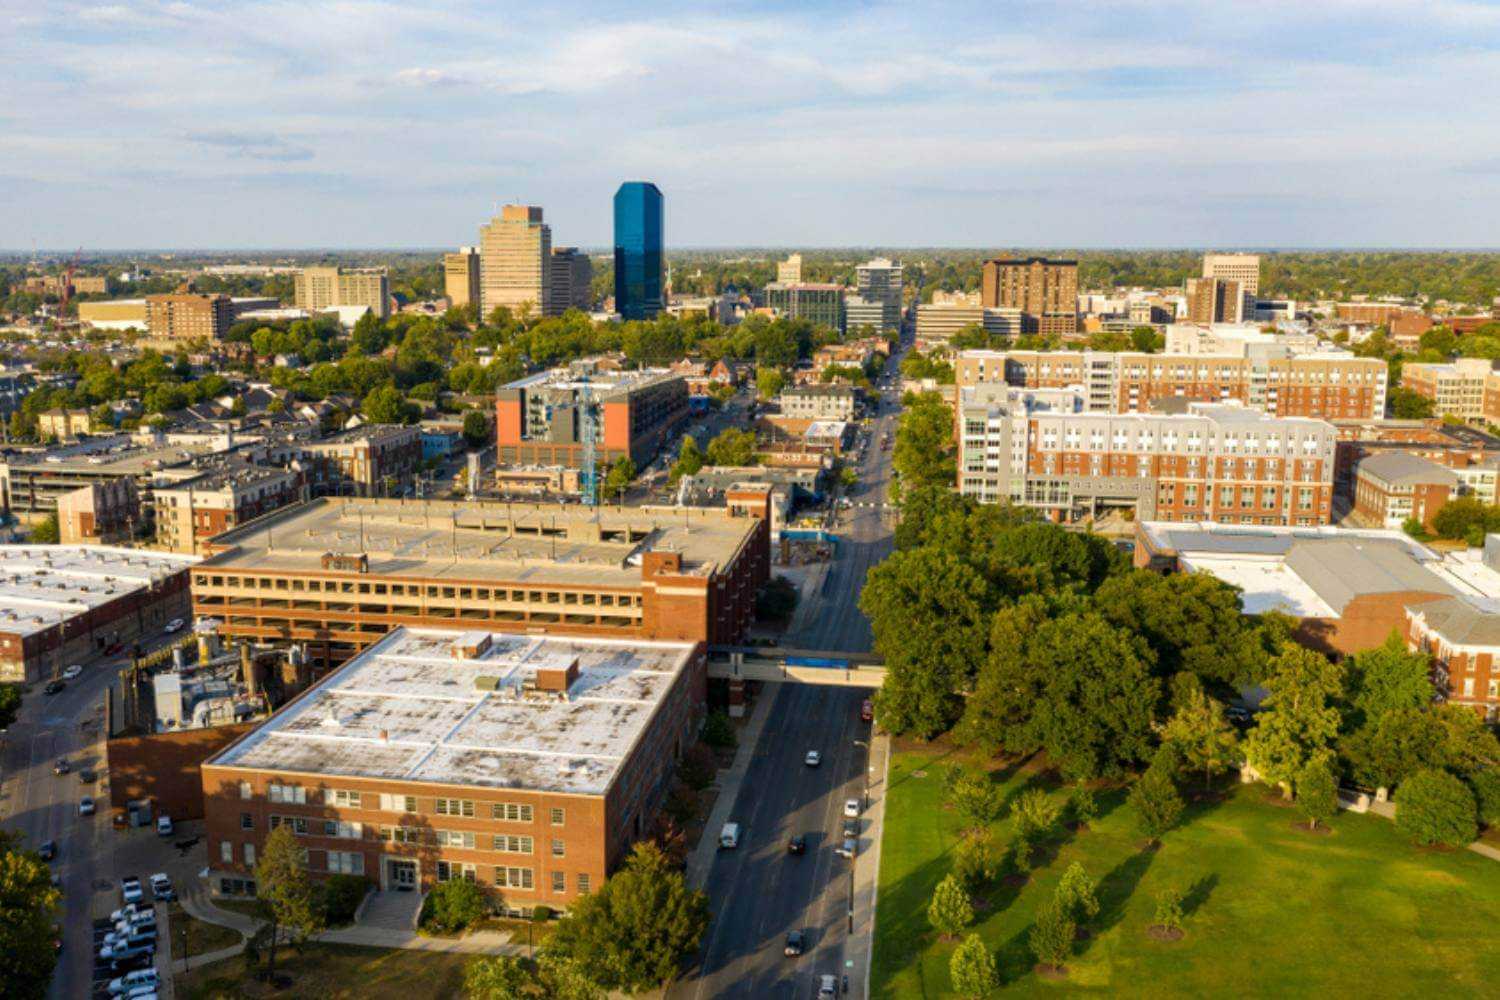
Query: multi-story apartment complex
[
  {"x": 1213, "y": 463},
  {"x": 640, "y": 257},
  {"x": 368, "y": 461},
  {"x": 939, "y": 321},
  {"x": 61, "y": 423},
  {"x": 1462, "y": 635},
  {"x": 822, "y": 304},
  {"x": 572, "y": 278},
  {"x": 338, "y": 574},
  {"x": 1241, "y": 268},
  {"x": 1467, "y": 388},
  {"x": 542, "y": 419},
  {"x": 318, "y": 289},
  {"x": 1046, "y": 292},
  {"x": 1473, "y": 455},
  {"x": 880, "y": 281},
  {"x": 819, "y": 402},
  {"x": 1372, "y": 313},
  {"x": 1214, "y": 300},
  {"x": 102, "y": 513},
  {"x": 527, "y": 765},
  {"x": 515, "y": 262},
  {"x": 461, "y": 276},
  {"x": 1395, "y": 486},
  {"x": 190, "y": 512},
  {"x": 1325, "y": 385},
  {"x": 188, "y": 316}
]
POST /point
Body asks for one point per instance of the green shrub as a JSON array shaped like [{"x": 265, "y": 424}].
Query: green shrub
[
  {"x": 698, "y": 766},
  {"x": 1485, "y": 784},
  {"x": 541, "y": 914},
  {"x": 1434, "y": 807},
  {"x": 452, "y": 906},
  {"x": 341, "y": 896},
  {"x": 718, "y": 731}
]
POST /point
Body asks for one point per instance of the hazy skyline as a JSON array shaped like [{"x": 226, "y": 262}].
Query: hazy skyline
[{"x": 369, "y": 124}]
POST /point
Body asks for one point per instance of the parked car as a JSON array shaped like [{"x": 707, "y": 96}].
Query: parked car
[
  {"x": 72, "y": 672},
  {"x": 851, "y": 808},
  {"x": 129, "y": 950},
  {"x": 48, "y": 850},
  {"x": 140, "y": 918},
  {"x": 795, "y": 942},
  {"x": 87, "y": 776},
  {"x": 164, "y": 826},
  {"x": 175, "y": 625},
  {"x": 131, "y": 937},
  {"x": 813, "y": 758},
  {"x": 130, "y": 889},
  {"x": 827, "y": 986},
  {"x": 847, "y": 848},
  {"x": 797, "y": 845},
  {"x": 851, "y": 828},
  {"x": 86, "y": 806},
  {"x": 130, "y": 910},
  {"x": 53, "y": 687},
  {"x": 161, "y": 887},
  {"x": 133, "y": 980},
  {"x": 62, "y": 766}
]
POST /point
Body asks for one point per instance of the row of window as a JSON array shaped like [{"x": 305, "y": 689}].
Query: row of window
[
  {"x": 510, "y": 812},
  {"x": 587, "y": 598}
]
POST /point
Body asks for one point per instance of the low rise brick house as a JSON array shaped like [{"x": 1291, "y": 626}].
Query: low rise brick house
[
  {"x": 188, "y": 513},
  {"x": 1394, "y": 487},
  {"x": 1462, "y": 635},
  {"x": 525, "y": 764},
  {"x": 371, "y": 460}
]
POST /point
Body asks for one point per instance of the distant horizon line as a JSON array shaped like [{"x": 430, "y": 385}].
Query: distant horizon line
[{"x": 9, "y": 253}]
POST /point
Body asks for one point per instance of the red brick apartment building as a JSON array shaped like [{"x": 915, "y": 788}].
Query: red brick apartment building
[
  {"x": 539, "y": 420},
  {"x": 1323, "y": 386},
  {"x": 338, "y": 574},
  {"x": 1392, "y": 487},
  {"x": 1462, "y": 634},
  {"x": 525, "y": 764},
  {"x": 189, "y": 513}
]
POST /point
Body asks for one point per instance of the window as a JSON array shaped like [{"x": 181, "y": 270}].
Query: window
[
  {"x": 559, "y": 882},
  {"x": 342, "y": 797},
  {"x": 288, "y": 794},
  {"x": 451, "y": 871},
  {"x": 512, "y": 812},
  {"x": 404, "y": 835},
  {"x": 559, "y": 848},
  {"x": 453, "y": 807},
  {"x": 346, "y": 862},
  {"x": 337, "y": 828},
  {"x": 247, "y": 821},
  {"x": 297, "y": 823},
  {"x": 512, "y": 878},
  {"x": 512, "y": 844},
  {"x": 583, "y": 883},
  {"x": 249, "y": 854},
  {"x": 398, "y": 803},
  {"x": 245, "y": 790},
  {"x": 557, "y": 817},
  {"x": 455, "y": 838},
  {"x": 226, "y": 852}
]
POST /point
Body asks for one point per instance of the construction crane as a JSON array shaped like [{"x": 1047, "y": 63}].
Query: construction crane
[{"x": 588, "y": 479}]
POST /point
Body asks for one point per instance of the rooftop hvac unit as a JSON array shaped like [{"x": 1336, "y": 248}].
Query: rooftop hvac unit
[{"x": 485, "y": 682}]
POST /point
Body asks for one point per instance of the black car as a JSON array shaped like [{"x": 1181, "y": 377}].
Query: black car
[
  {"x": 48, "y": 850},
  {"x": 62, "y": 766},
  {"x": 86, "y": 776},
  {"x": 797, "y": 845},
  {"x": 851, "y": 828},
  {"x": 53, "y": 687},
  {"x": 795, "y": 942}
]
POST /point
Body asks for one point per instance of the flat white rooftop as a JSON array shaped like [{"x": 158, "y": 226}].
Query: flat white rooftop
[
  {"x": 1266, "y": 584},
  {"x": 43, "y": 585},
  {"x": 411, "y": 708}
]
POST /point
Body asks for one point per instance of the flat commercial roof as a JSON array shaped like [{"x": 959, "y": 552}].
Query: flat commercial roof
[
  {"x": 512, "y": 542},
  {"x": 45, "y": 585},
  {"x": 119, "y": 454},
  {"x": 413, "y": 707}
]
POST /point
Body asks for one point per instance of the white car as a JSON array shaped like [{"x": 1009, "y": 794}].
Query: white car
[
  {"x": 132, "y": 981},
  {"x": 86, "y": 806},
  {"x": 175, "y": 625},
  {"x": 131, "y": 911},
  {"x": 813, "y": 758},
  {"x": 851, "y": 807},
  {"x": 74, "y": 671},
  {"x": 161, "y": 887},
  {"x": 130, "y": 889}
]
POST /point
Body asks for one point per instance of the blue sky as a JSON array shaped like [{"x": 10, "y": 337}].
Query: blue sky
[{"x": 272, "y": 123}]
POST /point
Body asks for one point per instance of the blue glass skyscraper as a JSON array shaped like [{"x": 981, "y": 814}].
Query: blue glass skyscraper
[{"x": 639, "y": 262}]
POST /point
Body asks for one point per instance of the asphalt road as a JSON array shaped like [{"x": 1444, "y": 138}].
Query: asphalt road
[
  {"x": 759, "y": 892},
  {"x": 44, "y": 806}
]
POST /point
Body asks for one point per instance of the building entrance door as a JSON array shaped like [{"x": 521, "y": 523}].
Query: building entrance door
[{"x": 403, "y": 875}]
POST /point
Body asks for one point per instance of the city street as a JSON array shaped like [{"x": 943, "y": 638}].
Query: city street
[
  {"x": 44, "y": 806},
  {"x": 759, "y": 892}
]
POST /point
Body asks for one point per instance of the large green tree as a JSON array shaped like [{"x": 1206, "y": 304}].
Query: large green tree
[
  {"x": 972, "y": 969},
  {"x": 290, "y": 899},
  {"x": 1384, "y": 679},
  {"x": 634, "y": 932},
  {"x": 924, "y": 449},
  {"x": 28, "y": 906},
  {"x": 1201, "y": 733},
  {"x": 1300, "y": 720},
  {"x": 1192, "y": 620}
]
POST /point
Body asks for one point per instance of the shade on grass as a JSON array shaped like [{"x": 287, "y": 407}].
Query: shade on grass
[{"x": 1271, "y": 910}]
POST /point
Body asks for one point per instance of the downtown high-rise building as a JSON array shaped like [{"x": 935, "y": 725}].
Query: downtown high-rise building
[
  {"x": 1243, "y": 268},
  {"x": 461, "y": 276},
  {"x": 515, "y": 262},
  {"x": 572, "y": 279},
  {"x": 639, "y": 258},
  {"x": 320, "y": 288},
  {"x": 879, "y": 282},
  {"x": 1046, "y": 292}
]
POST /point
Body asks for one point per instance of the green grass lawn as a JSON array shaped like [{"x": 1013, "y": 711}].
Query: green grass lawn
[
  {"x": 335, "y": 972},
  {"x": 1271, "y": 911}
]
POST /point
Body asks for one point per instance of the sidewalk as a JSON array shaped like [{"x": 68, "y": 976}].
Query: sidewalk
[
  {"x": 702, "y": 859},
  {"x": 859, "y": 948},
  {"x": 1387, "y": 809}
]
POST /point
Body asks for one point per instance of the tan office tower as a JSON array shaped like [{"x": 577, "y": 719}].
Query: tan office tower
[
  {"x": 789, "y": 271},
  {"x": 572, "y": 278},
  {"x": 461, "y": 276},
  {"x": 320, "y": 288},
  {"x": 187, "y": 316},
  {"x": 1214, "y": 300},
  {"x": 515, "y": 261},
  {"x": 1241, "y": 267},
  {"x": 1046, "y": 292}
]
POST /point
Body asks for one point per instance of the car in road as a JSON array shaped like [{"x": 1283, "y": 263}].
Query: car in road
[
  {"x": 851, "y": 808},
  {"x": 827, "y": 986},
  {"x": 729, "y": 837},
  {"x": 86, "y": 776},
  {"x": 130, "y": 889},
  {"x": 796, "y": 941},
  {"x": 851, "y": 828},
  {"x": 54, "y": 686},
  {"x": 847, "y": 848},
  {"x": 73, "y": 671},
  {"x": 867, "y": 711},
  {"x": 175, "y": 625},
  {"x": 86, "y": 806},
  {"x": 797, "y": 845},
  {"x": 813, "y": 758},
  {"x": 133, "y": 980},
  {"x": 62, "y": 766},
  {"x": 161, "y": 887},
  {"x": 164, "y": 826},
  {"x": 48, "y": 850}
]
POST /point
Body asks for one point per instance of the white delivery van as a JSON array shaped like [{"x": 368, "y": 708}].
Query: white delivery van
[{"x": 729, "y": 837}]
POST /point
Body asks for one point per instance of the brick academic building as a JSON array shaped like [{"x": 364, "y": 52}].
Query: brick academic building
[{"x": 339, "y": 574}]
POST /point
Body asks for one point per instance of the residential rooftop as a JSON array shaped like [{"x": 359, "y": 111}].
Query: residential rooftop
[
  {"x": 459, "y": 540},
  {"x": 601, "y": 383},
  {"x": 45, "y": 585},
  {"x": 364, "y": 432},
  {"x": 1402, "y": 468},
  {"x": 125, "y": 454},
  {"x": 464, "y": 708}
]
